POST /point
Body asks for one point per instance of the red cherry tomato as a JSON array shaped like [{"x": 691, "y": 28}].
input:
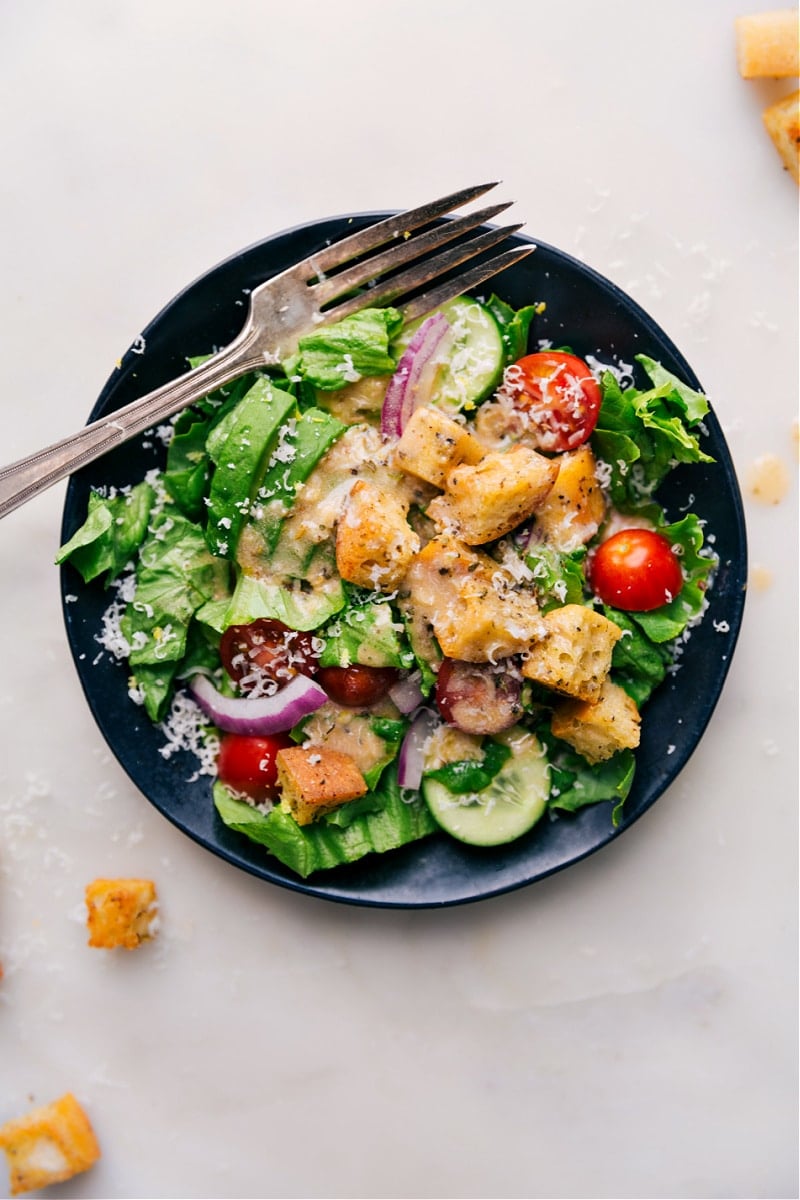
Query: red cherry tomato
[
  {"x": 559, "y": 395},
  {"x": 477, "y": 697},
  {"x": 247, "y": 764},
  {"x": 356, "y": 686},
  {"x": 269, "y": 648},
  {"x": 635, "y": 570}
]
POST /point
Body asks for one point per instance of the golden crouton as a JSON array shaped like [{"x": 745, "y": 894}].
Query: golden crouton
[
  {"x": 121, "y": 912},
  {"x": 574, "y": 657},
  {"x": 767, "y": 44},
  {"x": 48, "y": 1145},
  {"x": 314, "y": 781},
  {"x": 374, "y": 542},
  {"x": 573, "y": 509},
  {"x": 783, "y": 126},
  {"x": 477, "y": 610},
  {"x": 433, "y": 443},
  {"x": 488, "y": 500},
  {"x": 600, "y": 730}
]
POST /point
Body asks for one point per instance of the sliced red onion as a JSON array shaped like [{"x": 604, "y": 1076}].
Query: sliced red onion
[
  {"x": 262, "y": 715},
  {"x": 406, "y": 694},
  {"x": 403, "y": 393},
  {"x": 411, "y": 759}
]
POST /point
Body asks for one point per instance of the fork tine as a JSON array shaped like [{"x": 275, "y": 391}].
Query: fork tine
[
  {"x": 372, "y": 268},
  {"x": 384, "y": 231},
  {"x": 473, "y": 278},
  {"x": 421, "y": 273}
]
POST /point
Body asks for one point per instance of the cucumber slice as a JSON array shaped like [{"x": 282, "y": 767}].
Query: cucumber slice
[
  {"x": 510, "y": 806},
  {"x": 470, "y": 358}
]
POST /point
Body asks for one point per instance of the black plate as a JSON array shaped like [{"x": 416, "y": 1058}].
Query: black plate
[{"x": 594, "y": 317}]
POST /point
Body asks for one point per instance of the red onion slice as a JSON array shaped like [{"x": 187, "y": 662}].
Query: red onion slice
[
  {"x": 403, "y": 393},
  {"x": 406, "y": 694},
  {"x": 266, "y": 714},
  {"x": 411, "y": 759}
]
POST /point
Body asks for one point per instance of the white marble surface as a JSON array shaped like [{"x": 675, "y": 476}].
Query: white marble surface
[{"x": 624, "y": 1029}]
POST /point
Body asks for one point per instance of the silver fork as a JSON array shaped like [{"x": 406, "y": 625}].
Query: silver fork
[{"x": 290, "y": 305}]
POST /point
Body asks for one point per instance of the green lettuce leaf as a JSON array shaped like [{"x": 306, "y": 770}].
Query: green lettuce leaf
[
  {"x": 239, "y": 446},
  {"x": 642, "y": 435},
  {"x": 325, "y": 844},
  {"x": 514, "y": 325},
  {"x": 296, "y": 607},
  {"x": 574, "y": 782},
  {"x": 472, "y": 775},
  {"x": 302, "y": 442},
  {"x": 175, "y": 576},
  {"x": 335, "y": 355},
  {"x": 557, "y": 576},
  {"x": 638, "y": 664},
  {"x": 366, "y": 633},
  {"x": 111, "y": 534}
]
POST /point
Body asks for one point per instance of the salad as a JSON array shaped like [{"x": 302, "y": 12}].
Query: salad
[{"x": 416, "y": 579}]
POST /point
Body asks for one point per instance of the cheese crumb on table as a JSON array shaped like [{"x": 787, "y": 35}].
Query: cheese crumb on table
[
  {"x": 121, "y": 912},
  {"x": 48, "y": 1145}
]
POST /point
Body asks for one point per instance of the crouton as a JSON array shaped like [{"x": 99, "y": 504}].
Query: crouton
[
  {"x": 314, "y": 781},
  {"x": 488, "y": 500},
  {"x": 48, "y": 1145},
  {"x": 574, "y": 657},
  {"x": 374, "y": 542},
  {"x": 573, "y": 509},
  {"x": 476, "y": 609},
  {"x": 782, "y": 121},
  {"x": 121, "y": 912},
  {"x": 598, "y": 731},
  {"x": 433, "y": 443},
  {"x": 767, "y": 44}
]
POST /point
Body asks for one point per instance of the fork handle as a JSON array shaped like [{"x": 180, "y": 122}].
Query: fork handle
[{"x": 26, "y": 478}]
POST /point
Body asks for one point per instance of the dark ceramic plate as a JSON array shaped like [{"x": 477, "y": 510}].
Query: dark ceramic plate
[{"x": 593, "y": 317}]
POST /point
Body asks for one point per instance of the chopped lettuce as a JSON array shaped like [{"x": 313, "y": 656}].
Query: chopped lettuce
[
  {"x": 473, "y": 774},
  {"x": 298, "y": 606},
  {"x": 365, "y": 633},
  {"x": 175, "y": 575},
  {"x": 329, "y": 842},
  {"x": 344, "y": 352},
  {"x": 574, "y": 782},
  {"x": 111, "y": 534},
  {"x": 642, "y": 435},
  {"x": 514, "y": 325},
  {"x": 239, "y": 446},
  {"x": 188, "y": 469},
  {"x": 557, "y": 575},
  {"x": 301, "y": 443}
]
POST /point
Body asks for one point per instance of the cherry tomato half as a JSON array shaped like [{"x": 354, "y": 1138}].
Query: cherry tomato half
[
  {"x": 477, "y": 697},
  {"x": 558, "y": 394},
  {"x": 267, "y": 647},
  {"x": 635, "y": 570},
  {"x": 356, "y": 686},
  {"x": 247, "y": 764}
]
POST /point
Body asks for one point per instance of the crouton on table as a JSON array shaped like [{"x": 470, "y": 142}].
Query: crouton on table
[
  {"x": 315, "y": 780},
  {"x": 121, "y": 912},
  {"x": 48, "y": 1145},
  {"x": 767, "y": 44},
  {"x": 600, "y": 730},
  {"x": 782, "y": 121},
  {"x": 574, "y": 656}
]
